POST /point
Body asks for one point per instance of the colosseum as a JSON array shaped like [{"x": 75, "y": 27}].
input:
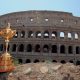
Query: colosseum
[{"x": 43, "y": 35}]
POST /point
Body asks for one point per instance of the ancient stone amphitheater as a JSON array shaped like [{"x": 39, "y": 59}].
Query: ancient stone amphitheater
[{"x": 43, "y": 35}]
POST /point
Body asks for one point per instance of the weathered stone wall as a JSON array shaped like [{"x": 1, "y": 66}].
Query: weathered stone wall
[{"x": 43, "y": 35}]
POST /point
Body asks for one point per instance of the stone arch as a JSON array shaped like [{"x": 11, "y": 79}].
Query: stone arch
[
  {"x": 46, "y": 48},
  {"x": 14, "y": 48},
  {"x": 77, "y": 50},
  {"x": 30, "y": 34},
  {"x": 70, "y": 49},
  {"x": 20, "y": 61},
  {"x": 16, "y": 35},
  {"x": 46, "y": 34},
  {"x": 71, "y": 61},
  {"x": 54, "y": 61},
  {"x": 28, "y": 61},
  {"x": 62, "y": 49},
  {"x": 54, "y": 34},
  {"x": 62, "y": 35},
  {"x": 69, "y": 35},
  {"x": 1, "y": 47},
  {"x": 37, "y": 48},
  {"x": 63, "y": 61},
  {"x": 38, "y": 34},
  {"x": 36, "y": 61},
  {"x": 21, "y": 48},
  {"x": 22, "y": 34},
  {"x": 76, "y": 36},
  {"x": 54, "y": 49},
  {"x": 29, "y": 48},
  {"x": 77, "y": 62}
]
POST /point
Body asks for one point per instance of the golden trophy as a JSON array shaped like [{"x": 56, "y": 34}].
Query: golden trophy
[{"x": 6, "y": 62}]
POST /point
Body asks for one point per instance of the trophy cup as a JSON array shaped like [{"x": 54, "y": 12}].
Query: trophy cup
[{"x": 6, "y": 61}]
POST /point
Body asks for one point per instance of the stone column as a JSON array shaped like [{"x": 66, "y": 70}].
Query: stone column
[
  {"x": 58, "y": 48},
  {"x": 19, "y": 34},
  {"x": 58, "y": 35},
  {"x": 26, "y": 34},
  {"x": 66, "y": 35}
]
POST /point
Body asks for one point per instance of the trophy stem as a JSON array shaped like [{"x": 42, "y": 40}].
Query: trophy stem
[{"x": 6, "y": 41}]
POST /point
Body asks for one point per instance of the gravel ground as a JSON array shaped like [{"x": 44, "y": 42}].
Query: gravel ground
[{"x": 45, "y": 71}]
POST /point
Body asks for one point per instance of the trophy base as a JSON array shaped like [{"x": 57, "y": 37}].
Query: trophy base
[{"x": 6, "y": 63}]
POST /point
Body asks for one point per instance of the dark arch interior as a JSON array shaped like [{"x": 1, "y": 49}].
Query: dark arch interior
[
  {"x": 62, "y": 49},
  {"x": 54, "y": 49},
  {"x": 20, "y": 61},
  {"x": 14, "y": 47},
  {"x": 54, "y": 61},
  {"x": 28, "y": 61},
  {"x": 29, "y": 48},
  {"x": 77, "y": 50},
  {"x": 21, "y": 48},
  {"x": 78, "y": 63},
  {"x": 1, "y": 47},
  {"x": 45, "y": 48},
  {"x": 70, "y": 49},
  {"x": 37, "y": 48},
  {"x": 36, "y": 61},
  {"x": 63, "y": 62},
  {"x": 71, "y": 61}
]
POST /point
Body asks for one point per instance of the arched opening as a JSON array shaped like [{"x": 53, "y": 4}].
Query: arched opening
[
  {"x": 46, "y": 34},
  {"x": 37, "y": 48},
  {"x": 54, "y": 61},
  {"x": 76, "y": 36},
  {"x": 14, "y": 48},
  {"x": 69, "y": 35},
  {"x": 45, "y": 48},
  {"x": 38, "y": 34},
  {"x": 71, "y": 61},
  {"x": 63, "y": 62},
  {"x": 36, "y": 61},
  {"x": 62, "y": 35},
  {"x": 20, "y": 61},
  {"x": 22, "y": 34},
  {"x": 29, "y": 48},
  {"x": 70, "y": 50},
  {"x": 78, "y": 63},
  {"x": 77, "y": 50},
  {"x": 30, "y": 34},
  {"x": 62, "y": 49},
  {"x": 28, "y": 61},
  {"x": 54, "y": 34},
  {"x": 16, "y": 35},
  {"x": 1, "y": 47},
  {"x": 54, "y": 49},
  {"x": 21, "y": 48}
]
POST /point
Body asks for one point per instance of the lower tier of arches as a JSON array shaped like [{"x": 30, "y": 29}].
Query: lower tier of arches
[{"x": 63, "y": 60}]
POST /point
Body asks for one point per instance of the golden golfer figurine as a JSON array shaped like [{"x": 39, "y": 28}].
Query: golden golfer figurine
[{"x": 6, "y": 62}]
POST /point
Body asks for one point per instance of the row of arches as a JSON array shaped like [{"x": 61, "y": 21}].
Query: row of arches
[
  {"x": 46, "y": 34},
  {"x": 54, "y": 61},
  {"x": 45, "y": 48}
]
